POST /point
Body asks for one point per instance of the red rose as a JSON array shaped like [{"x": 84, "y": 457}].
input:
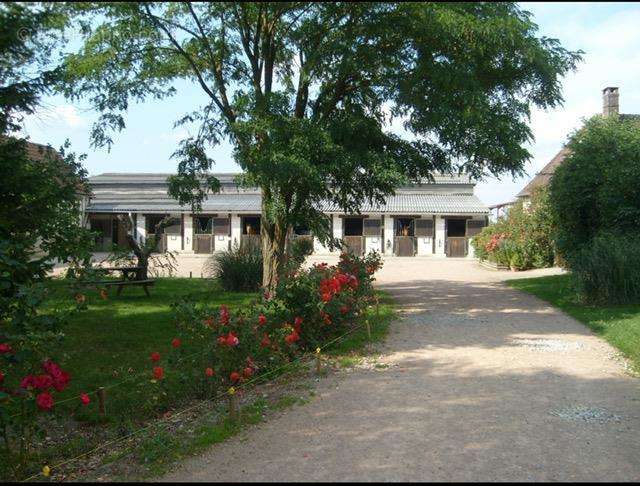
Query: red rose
[
  {"x": 155, "y": 356},
  {"x": 158, "y": 372},
  {"x": 209, "y": 372},
  {"x": 60, "y": 378},
  {"x": 42, "y": 382},
  {"x": 232, "y": 340},
  {"x": 209, "y": 321},
  {"x": 262, "y": 320},
  {"x": 224, "y": 315},
  {"x": 266, "y": 342},
  {"x": 176, "y": 343},
  {"x": 44, "y": 401},
  {"x": 5, "y": 348},
  {"x": 292, "y": 338},
  {"x": 234, "y": 376},
  {"x": 28, "y": 382},
  {"x": 84, "y": 398},
  {"x": 247, "y": 372},
  {"x": 222, "y": 340},
  {"x": 326, "y": 297},
  {"x": 344, "y": 309}
]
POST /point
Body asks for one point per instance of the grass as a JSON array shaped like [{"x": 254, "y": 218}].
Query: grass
[
  {"x": 112, "y": 339},
  {"x": 617, "y": 324},
  {"x": 110, "y": 342}
]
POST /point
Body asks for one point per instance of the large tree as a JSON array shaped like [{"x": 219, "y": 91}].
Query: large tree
[{"x": 305, "y": 93}]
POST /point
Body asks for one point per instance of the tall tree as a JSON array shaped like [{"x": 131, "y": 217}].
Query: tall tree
[{"x": 305, "y": 93}]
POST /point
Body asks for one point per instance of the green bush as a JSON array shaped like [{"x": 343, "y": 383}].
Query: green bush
[
  {"x": 299, "y": 250},
  {"x": 238, "y": 269},
  {"x": 607, "y": 270},
  {"x": 523, "y": 239}
]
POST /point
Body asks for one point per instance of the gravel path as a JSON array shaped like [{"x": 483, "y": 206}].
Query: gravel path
[{"x": 486, "y": 384}]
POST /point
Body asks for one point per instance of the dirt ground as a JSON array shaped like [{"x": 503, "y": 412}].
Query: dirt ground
[{"x": 485, "y": 384}]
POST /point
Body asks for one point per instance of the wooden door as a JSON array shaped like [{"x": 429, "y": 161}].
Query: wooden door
[
  {"x": 353, "y": 244},
  {"x": 456, "y": 247},
  {"x": 202, "y": 243},
  {"x": 405, "y": 246}
]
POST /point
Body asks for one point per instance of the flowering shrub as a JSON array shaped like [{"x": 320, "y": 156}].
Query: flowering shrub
[{"x": 311, "y": 307}]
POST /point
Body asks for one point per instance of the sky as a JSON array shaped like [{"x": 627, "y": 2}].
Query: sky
[{"x": 608, "y": 33}]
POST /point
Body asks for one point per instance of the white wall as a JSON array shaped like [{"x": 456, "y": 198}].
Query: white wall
[
  {"x": 174, "y": 242},
  {"x": 337, "y": 226},
  {"x": 141, "y": 228},
  {"x": 188, "y": 233},
  {"x": 425, "y": 245},
  {"x": 388, "y": 235},
  {"x": 440, "y": 236},
  {"x": 236, "y": 230}
]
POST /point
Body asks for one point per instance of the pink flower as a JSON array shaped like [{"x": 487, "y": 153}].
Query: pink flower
[
  {"x": 42, "y": 382},
  {"x": 44, "y": 401},
  {"x": 60, "y": 378},
  {"x": 84, "y": 399}
]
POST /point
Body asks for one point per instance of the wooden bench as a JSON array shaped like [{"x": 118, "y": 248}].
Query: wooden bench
[{"x": 122, "y": 283}]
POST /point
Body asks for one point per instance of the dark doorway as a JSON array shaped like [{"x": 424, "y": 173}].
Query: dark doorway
[
  {"x": 404, "y": 238},
  {"x": 353, "y": 226},
  {"x": 251, "y": 225},
  {"x": 456, "y": 228}
]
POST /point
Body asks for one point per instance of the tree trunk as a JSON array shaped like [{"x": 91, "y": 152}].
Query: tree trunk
[{"x": 274, "y": 238}]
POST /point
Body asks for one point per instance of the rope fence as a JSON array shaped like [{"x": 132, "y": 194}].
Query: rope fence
[{"x": 231, "y": 393}]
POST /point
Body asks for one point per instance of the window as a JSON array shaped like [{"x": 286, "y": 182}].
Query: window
[
  {"x": 404, "y": 227},
  {"x": 251, "y": 225},
  {"x": 353, "y": 226},
  {"x": 372, "y": 227},
  {"x": 203, "y": 225},
  {"x": 424, "y": 228},
  {"x": 456, "y": 228}
]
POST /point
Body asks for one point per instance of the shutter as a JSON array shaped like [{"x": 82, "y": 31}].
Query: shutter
[
  {"x": 424, "y": 228},
  {"x": 474, "y": 226},
  {"x": 372, "y": 227},
  {"x": 221, "y": 226}
]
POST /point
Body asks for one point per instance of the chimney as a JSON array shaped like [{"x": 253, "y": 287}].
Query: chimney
[{"x": 610, "y": 101}]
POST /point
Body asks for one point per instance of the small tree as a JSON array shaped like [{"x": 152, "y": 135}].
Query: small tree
[
  {"x": 305, "y": 93},
  {"x": 143, "y": 250}
]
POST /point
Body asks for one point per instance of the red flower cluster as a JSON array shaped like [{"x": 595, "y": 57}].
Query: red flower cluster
[
  {"x": 297, "y": 324},
  {"x": 230, "y": 340},
  {"x": 292, "y": 338},
  {"x": 155, "y": 356},
  {"x": 209, "y": 372},
  {"x": 84, "y": 399},
  {"x": 158, "y": 372},
  {"x": 175, "y": 343},
  {"x": 5, "y": 348},
  {"x": 331, "y": 286},
  {"x": 224, "y": 315},
  {"x": 494, "y": 242},
  {"x": 53, "y": 377},
  {"x": 262, "y": 320}
]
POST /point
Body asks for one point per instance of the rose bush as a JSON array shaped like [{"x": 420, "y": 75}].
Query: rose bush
[{"x": 312, "y": 307}]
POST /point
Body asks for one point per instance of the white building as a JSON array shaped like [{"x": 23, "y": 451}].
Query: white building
[{"x": 436, "y": 218}]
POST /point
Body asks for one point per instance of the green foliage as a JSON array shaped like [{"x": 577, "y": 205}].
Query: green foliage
[
  {"x": 607, "y": 269},
  {"x": 299, "y": 250},
  {"x": 305, "y": 92},
  {"x": 523, "y": 239},
  {"x": 238, "y": 269},
  {"x": 596, "y": 203}
]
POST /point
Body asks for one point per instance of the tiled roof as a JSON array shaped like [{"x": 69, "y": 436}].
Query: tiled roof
[
  {"x": 147, "y": 193},
  {"x": 543, "y": 177}
]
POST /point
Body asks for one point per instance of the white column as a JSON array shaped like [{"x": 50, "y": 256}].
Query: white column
[
  {"x": 236, "y": 230},
  {"x": 440, "y": 236},
  {"x": 141, "y": 227},
  {"x": 188, "y": 233},
  {"x": 388, "y": 235},
  {"x": 337, "y": 226}
]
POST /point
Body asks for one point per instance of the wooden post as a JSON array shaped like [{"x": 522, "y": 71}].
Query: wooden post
[
  {"x": 233, "y": 404},
  {"x": 318, "y": 362},
  {"x": 368, "y": 330},
  {"x": 102, "y": 397},
  {"x": 190, "y": 274}
]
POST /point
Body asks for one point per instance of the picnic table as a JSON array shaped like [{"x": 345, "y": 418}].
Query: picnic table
[{"x": 128, "y": 278}]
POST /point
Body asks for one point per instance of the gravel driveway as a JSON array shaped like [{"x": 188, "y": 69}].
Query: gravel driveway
[{"x": 485, "y": 384}]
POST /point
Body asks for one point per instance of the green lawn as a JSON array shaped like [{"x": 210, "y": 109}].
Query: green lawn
[
  {"x": 618, "y": 324},
  {"x": 112, "y": 339}
]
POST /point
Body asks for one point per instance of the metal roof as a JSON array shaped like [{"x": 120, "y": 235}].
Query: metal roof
[{"x": 147, "y": 193}]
